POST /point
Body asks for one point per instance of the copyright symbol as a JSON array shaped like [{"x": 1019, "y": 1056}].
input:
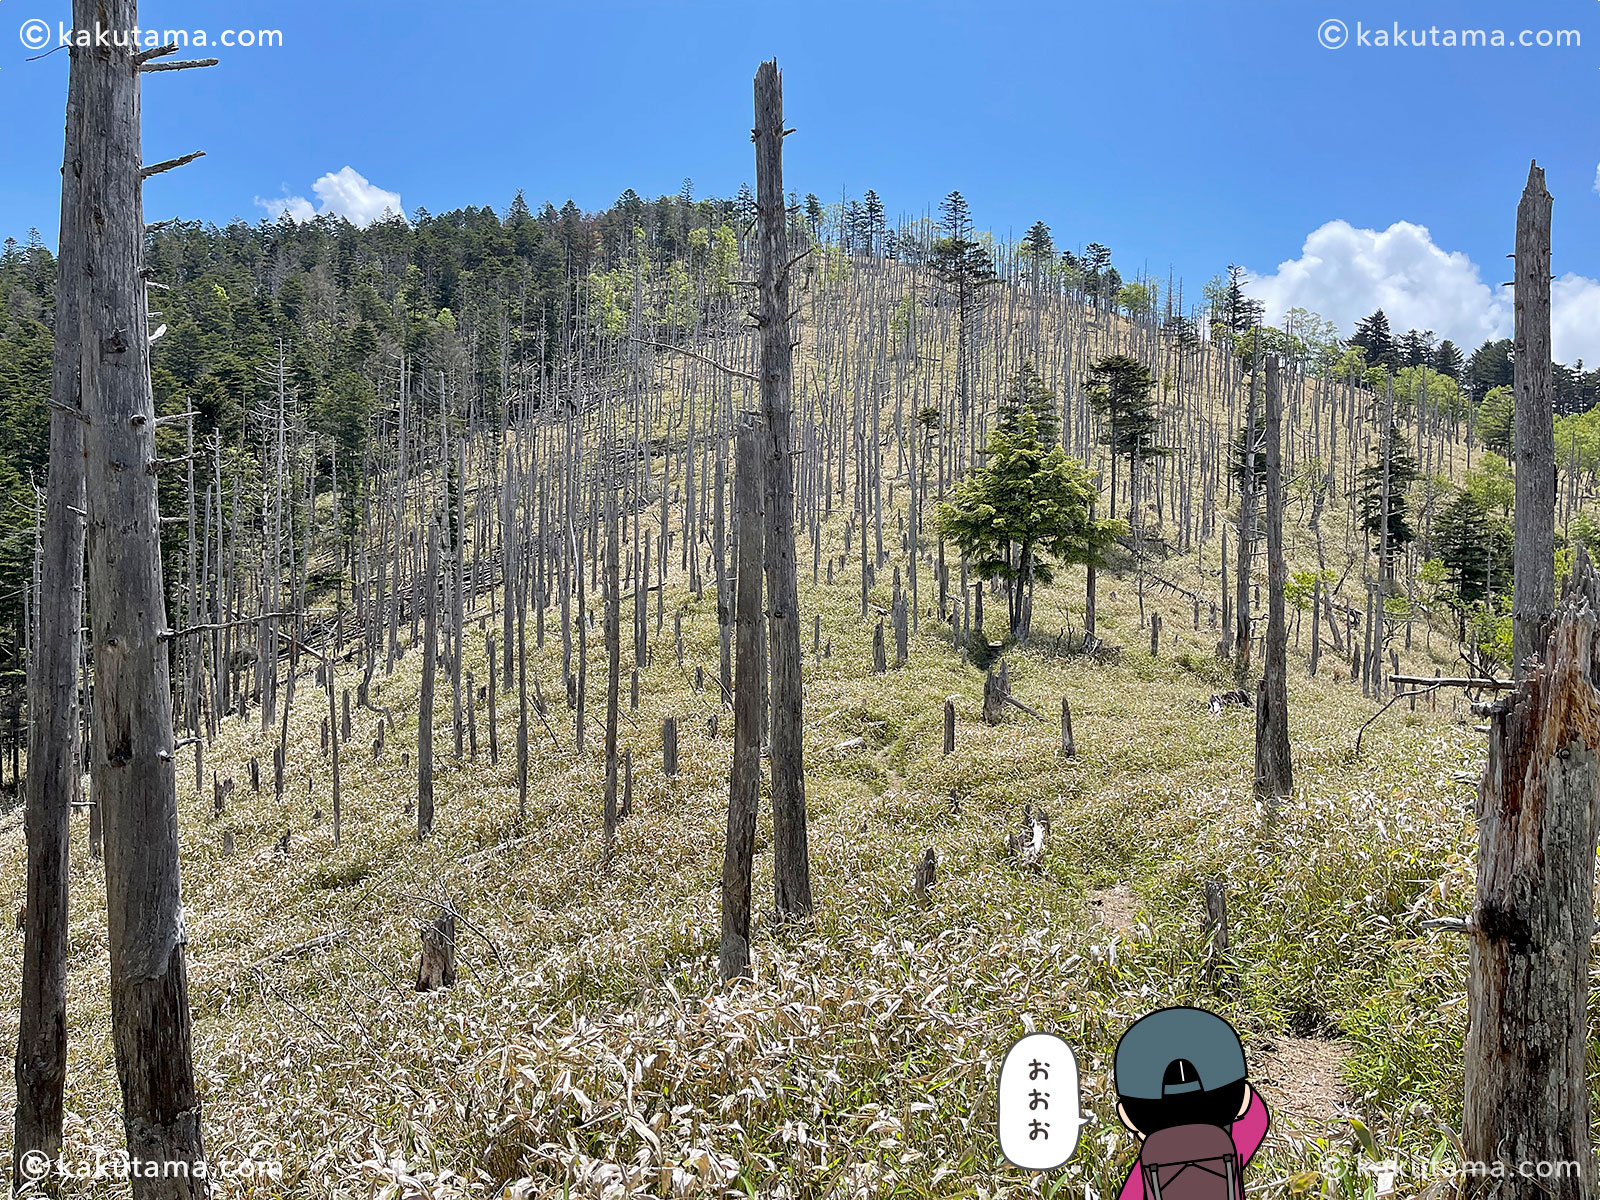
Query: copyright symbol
[
  {"x": 35, "y": 34},
  {"x": 1332, "y": 33},
  {"x": 35, "y": 1164}
]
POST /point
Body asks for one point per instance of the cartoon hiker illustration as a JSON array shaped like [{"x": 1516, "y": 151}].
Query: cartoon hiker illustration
[{"x": 1182, "y": 1090}]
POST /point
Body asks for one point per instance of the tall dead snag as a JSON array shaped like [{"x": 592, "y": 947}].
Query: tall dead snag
[
  {"x": 1246, "y": 543},
  {"x": 1528, "y": 991},
  {"x": 613, "y": 667},
  {"x": 1533, "y": 586},
  {"x": 1274, "y": 771},
  {"x": 134, "y": 768},
  {"x": 791, "y": 850},
  {"x": 53, "y": 739},
  {"x": 430, "y": 672},
  {"x": 744, "y": 783}
]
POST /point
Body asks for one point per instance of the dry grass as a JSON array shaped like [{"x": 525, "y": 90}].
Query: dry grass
[{"x": 591, "y": 1051}]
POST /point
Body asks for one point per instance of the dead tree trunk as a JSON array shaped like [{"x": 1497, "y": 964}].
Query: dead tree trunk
[
  {"x": 437, "y": 968},
  {"x": 613, "y": 669},
  {"x": 430, "y": 670},
  {"x": 1538, "y": 817},
  {"x": 54, "y": 748},
  {"x": 134, "y": 768},
  {"x": 1533, "y": 587},
  {"x": 791, "y": 849},
  {"x": 744, "y": 783},
  {"x": 1274, "y": 771}
]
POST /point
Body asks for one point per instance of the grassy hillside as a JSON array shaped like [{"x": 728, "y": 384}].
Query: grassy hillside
[{"x": 587, "y": 1049}]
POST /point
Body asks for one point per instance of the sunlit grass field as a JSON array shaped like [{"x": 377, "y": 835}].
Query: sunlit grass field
[{"x": 588, "y": 1049}]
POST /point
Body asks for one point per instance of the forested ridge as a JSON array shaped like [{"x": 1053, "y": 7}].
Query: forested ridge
[{"x": 483, "y": 310}]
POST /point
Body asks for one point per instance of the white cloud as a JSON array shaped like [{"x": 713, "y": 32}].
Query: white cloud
[
  {"x": 345, "y": 193},
  {"x": 1345, "y": 273},
  {"x": 1597, "y": 180}
]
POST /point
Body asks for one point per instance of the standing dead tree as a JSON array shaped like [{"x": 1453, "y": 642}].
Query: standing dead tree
[
  {"x": 54, "y": 749},
  {"x": 744, "y": 783},
  {"x": 1538, "y": 813},
  {"x": 791, "y": 849},
  {"x": 1274, "y": 771},
  {"x": 134, "y": 771},
  {"x": 1533, "y": 586}
]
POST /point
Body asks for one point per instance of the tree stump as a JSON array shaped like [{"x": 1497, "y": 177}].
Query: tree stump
[
  {"x": 669, "y": 745},
  {"x": 1155, "y": 634},
  {"x": 879, "y": 659},
  {"x": 902, "y": 631},
  {"x": 996, "y": 689},
  {"x": 1026, "y": 846},
  {"x": 950, "y": 726},
  {"x": 1069, "y": 746},
  {"x": 227, "y": 843},
  {"x": 1538, "y": 814},
  {"x": 437, "y": 968},
  {"x": 1216, "y": 928},
  {"x": 923, "y": 879}
]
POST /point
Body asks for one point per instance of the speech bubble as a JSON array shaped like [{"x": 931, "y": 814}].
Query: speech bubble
[{"x": 1041, "y": 1110}]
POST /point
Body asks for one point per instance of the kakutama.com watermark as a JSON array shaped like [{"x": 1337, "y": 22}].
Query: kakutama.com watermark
[
  {"x": 37, "y": 34},
  {"x": 1334, "y": 34},
  {"x": 37, "y": 1167}
]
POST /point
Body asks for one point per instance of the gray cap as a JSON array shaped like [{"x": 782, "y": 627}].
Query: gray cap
[{"x": 1177, "y": 1050}]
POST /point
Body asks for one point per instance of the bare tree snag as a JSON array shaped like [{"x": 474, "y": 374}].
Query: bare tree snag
[
  {"x": 1538, "y": 817},
  {"x": 133, "y": 769},
  {"x": 430, "y": 669},
  {"x": 54, "y": 749},
  {"x": 613, "y": 670},
  {"x": 791, "y": 849},
  {"x": 949, "y": 726},
  {"x": 744, "y": 782},
  {"x": 1533, "y": 586},
  {"x": 1274, "y": 770}
]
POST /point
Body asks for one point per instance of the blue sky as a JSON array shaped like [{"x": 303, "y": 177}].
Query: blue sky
[{"x": 1182, "y": 135}]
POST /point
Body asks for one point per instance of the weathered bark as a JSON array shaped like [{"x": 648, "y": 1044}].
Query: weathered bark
[
  {"x": 1533, "y": 588},
  {"x": 437, "y": 967},
  {"x": 745, "y": 777},
  {"x": 430, "y": 670},
  {"x": 791, "y": 849},
  {"x": 1538, "y": 815},
  {"x": 1274, "y": 772},
  {"x": 613, "y": 670},
  {"x": 1246, "y": 544},
  {"x": 54, "y": 749},
  {"x": 133, "y": 769}
]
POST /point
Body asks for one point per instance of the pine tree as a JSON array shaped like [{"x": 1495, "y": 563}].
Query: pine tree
[
  {"x": 1232, "y": 310},
  {"x": 1402, "y": 474},
  {"x": 1028, "y": 508},
  {"x": 814, "y": 214},
  {"x": 1373, "y": 337},
  {"x": 1416, "y": 349},
  {"x": 873, "y": 224},
  {"x": 1447, "y": 360},
  {"x": 1489, "y": 367},
  {"x": 954, "y": 216},
  {"x": 1475, "y": 546},
  {"x": 1119, "y": 390}
]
